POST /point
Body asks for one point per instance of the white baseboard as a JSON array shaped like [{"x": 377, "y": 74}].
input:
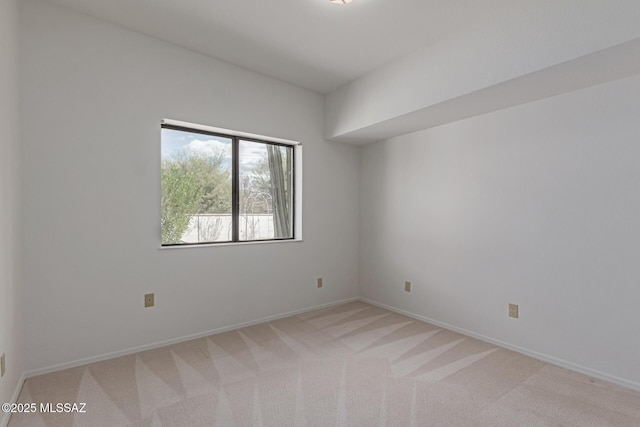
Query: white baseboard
[
  {"x": 4, "y": 421},
  {"x": 540, "y": 356},
  {"x": 132, "y": 350}
]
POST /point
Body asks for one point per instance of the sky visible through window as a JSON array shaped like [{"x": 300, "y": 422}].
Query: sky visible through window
[{"x": 178, "y": 142}]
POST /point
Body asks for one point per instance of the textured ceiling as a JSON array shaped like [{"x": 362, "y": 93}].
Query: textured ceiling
[{"x": 310, "y": 43}]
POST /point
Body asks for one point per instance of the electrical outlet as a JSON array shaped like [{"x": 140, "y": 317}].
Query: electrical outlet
[
  {"x": 320, "y": 284},
  {"x": 407, "y": 286},
  {"x": 513, "y": 310},
  {"x": 3, "y": 367},
  {"x": 149, "y": 300}
]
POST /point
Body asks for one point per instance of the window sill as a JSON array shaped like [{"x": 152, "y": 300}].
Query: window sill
[{"x": 216, "y": 245}]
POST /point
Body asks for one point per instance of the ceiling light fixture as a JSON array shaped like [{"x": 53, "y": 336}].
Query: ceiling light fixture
[{"x": 341, "y": 1}]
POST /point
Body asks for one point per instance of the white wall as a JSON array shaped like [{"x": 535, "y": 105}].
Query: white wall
[
  {"x": 537, "y": 205},
  {"x": 93, "y": 97},
  {"x": 11, "y": 332}
]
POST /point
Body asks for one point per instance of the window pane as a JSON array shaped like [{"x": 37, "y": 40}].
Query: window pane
[
  {"x": 266, "y": 193},
  {"x": 196, "y": 187}
]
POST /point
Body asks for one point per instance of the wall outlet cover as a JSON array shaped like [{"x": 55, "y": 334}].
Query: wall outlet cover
[
  {"x": 513, "y": 310},
  {"x": 407, "y": 286},
  {"x": 149, "y": 300},
  {"x": 320, "y": 282}
]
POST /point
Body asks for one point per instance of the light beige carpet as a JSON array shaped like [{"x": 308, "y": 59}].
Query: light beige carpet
[{"x": 350, "y": 365}]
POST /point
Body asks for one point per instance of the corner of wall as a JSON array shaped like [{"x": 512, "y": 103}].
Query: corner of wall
[{"x": 11, "y": 313}]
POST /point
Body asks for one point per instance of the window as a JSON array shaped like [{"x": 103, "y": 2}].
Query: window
[{"x": 224, "y": 187}]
